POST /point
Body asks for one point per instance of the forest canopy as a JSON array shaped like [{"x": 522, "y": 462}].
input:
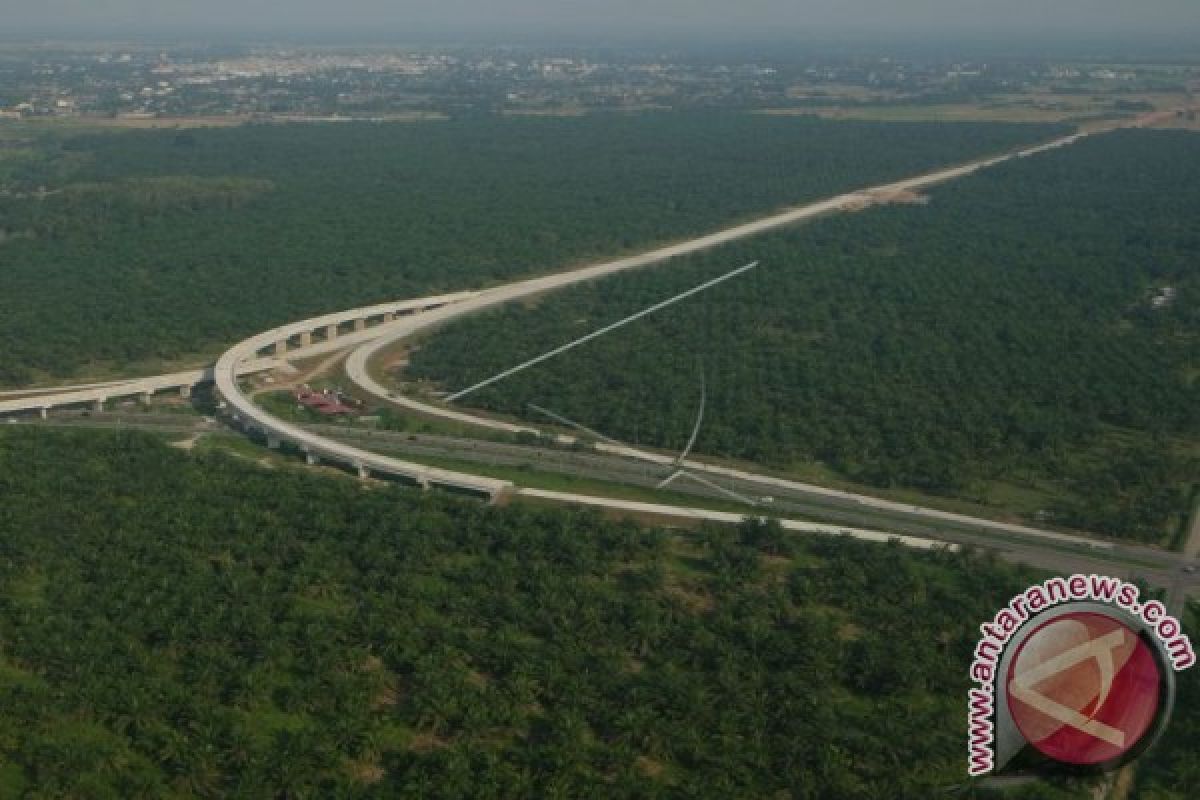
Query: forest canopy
[
  {"x": 150, "y": 246},
  {"x": 176, "y": 625}
]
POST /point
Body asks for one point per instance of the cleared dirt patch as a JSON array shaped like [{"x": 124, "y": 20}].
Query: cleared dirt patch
[{"x": 904, "y": 197}]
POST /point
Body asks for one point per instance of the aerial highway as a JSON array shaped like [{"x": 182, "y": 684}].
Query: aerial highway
[
  {"x": 250, "y": 416},
  {"x": 371, "y": 329},
  {"x": 358, "y": 372},
  {"x": 317, "y": 447},
  {"x": 387, "y": 323}
]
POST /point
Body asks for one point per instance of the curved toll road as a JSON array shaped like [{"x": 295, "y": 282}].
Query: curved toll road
[
  {"x": 376, "y": 327},
  {"x": 316, "y": 447},
  {"x": 357, "y": 371},
  {"x": 356, "y": 365},
  {"x": 426, "y": 312},
  {"x": 465, "y": 302}
]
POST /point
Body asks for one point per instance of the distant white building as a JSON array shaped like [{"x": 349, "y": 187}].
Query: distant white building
[{"x": 1163, "y": 297}]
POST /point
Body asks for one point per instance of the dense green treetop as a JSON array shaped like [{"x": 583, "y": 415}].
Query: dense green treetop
[
  {"x": 150, "y": 245},
  {"x": 1171, "y": 770},
  {"x": 181, "y": 626}
]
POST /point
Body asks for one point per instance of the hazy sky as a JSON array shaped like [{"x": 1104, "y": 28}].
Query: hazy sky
[{"x": 599, "y": 18}]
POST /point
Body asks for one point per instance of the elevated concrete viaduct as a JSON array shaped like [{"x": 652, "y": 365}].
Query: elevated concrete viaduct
[{"x": 318, "y": 449}]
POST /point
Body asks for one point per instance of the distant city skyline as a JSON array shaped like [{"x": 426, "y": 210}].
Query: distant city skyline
[{"x": 576, "y": 20}]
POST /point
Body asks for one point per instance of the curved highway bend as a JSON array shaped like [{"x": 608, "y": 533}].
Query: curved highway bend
[
  {"x": 397, "y": 320},
  {"x": 422, "y": 313},
  {"x": 356, "y": 365},
  {"x": 404, "y": 316},
  {"x": 316, "y": 447}
]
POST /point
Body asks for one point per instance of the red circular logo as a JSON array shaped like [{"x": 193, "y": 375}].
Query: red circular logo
[{"x": 1083, "y": 688}]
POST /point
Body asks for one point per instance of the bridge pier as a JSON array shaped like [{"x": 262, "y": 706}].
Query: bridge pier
[
  {"x": 311, "y": 459},
  {"x": 185, "y": 392},
  {"x": 390, "y": 316},
  {"x": 146, "y": 397},
  {"x": 360, "y": 324},
  {"x": 272, "y": 442},
  {"x": 98, "y": 406},
  {"x": 331, "y": 332},
  {"x": 306, "y": 339},
  {"x": 281, "y": 347},
  {"x": 44, "y": 413},
  {"x": 363, "y": 472}
]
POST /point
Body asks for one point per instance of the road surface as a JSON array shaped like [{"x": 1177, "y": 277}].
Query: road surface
[
  {"x": 100, "y": 393},
  {"x": 250, "y": 416},
  {"x": 1039, "y": 544}
]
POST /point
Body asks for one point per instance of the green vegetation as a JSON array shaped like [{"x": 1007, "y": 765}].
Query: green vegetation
[
  {"x": 1029, "y": 340},
  {"x": 126, "y": 250},
  {"x": 1044, "y": 105},
  {"x": 532, "y": 477},
  {"x": 283, "y": 405},
  {"x": 1171, "y": 771},
  {"x": 179, "y": 626},
  {"x": 86, "y": 205}
]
